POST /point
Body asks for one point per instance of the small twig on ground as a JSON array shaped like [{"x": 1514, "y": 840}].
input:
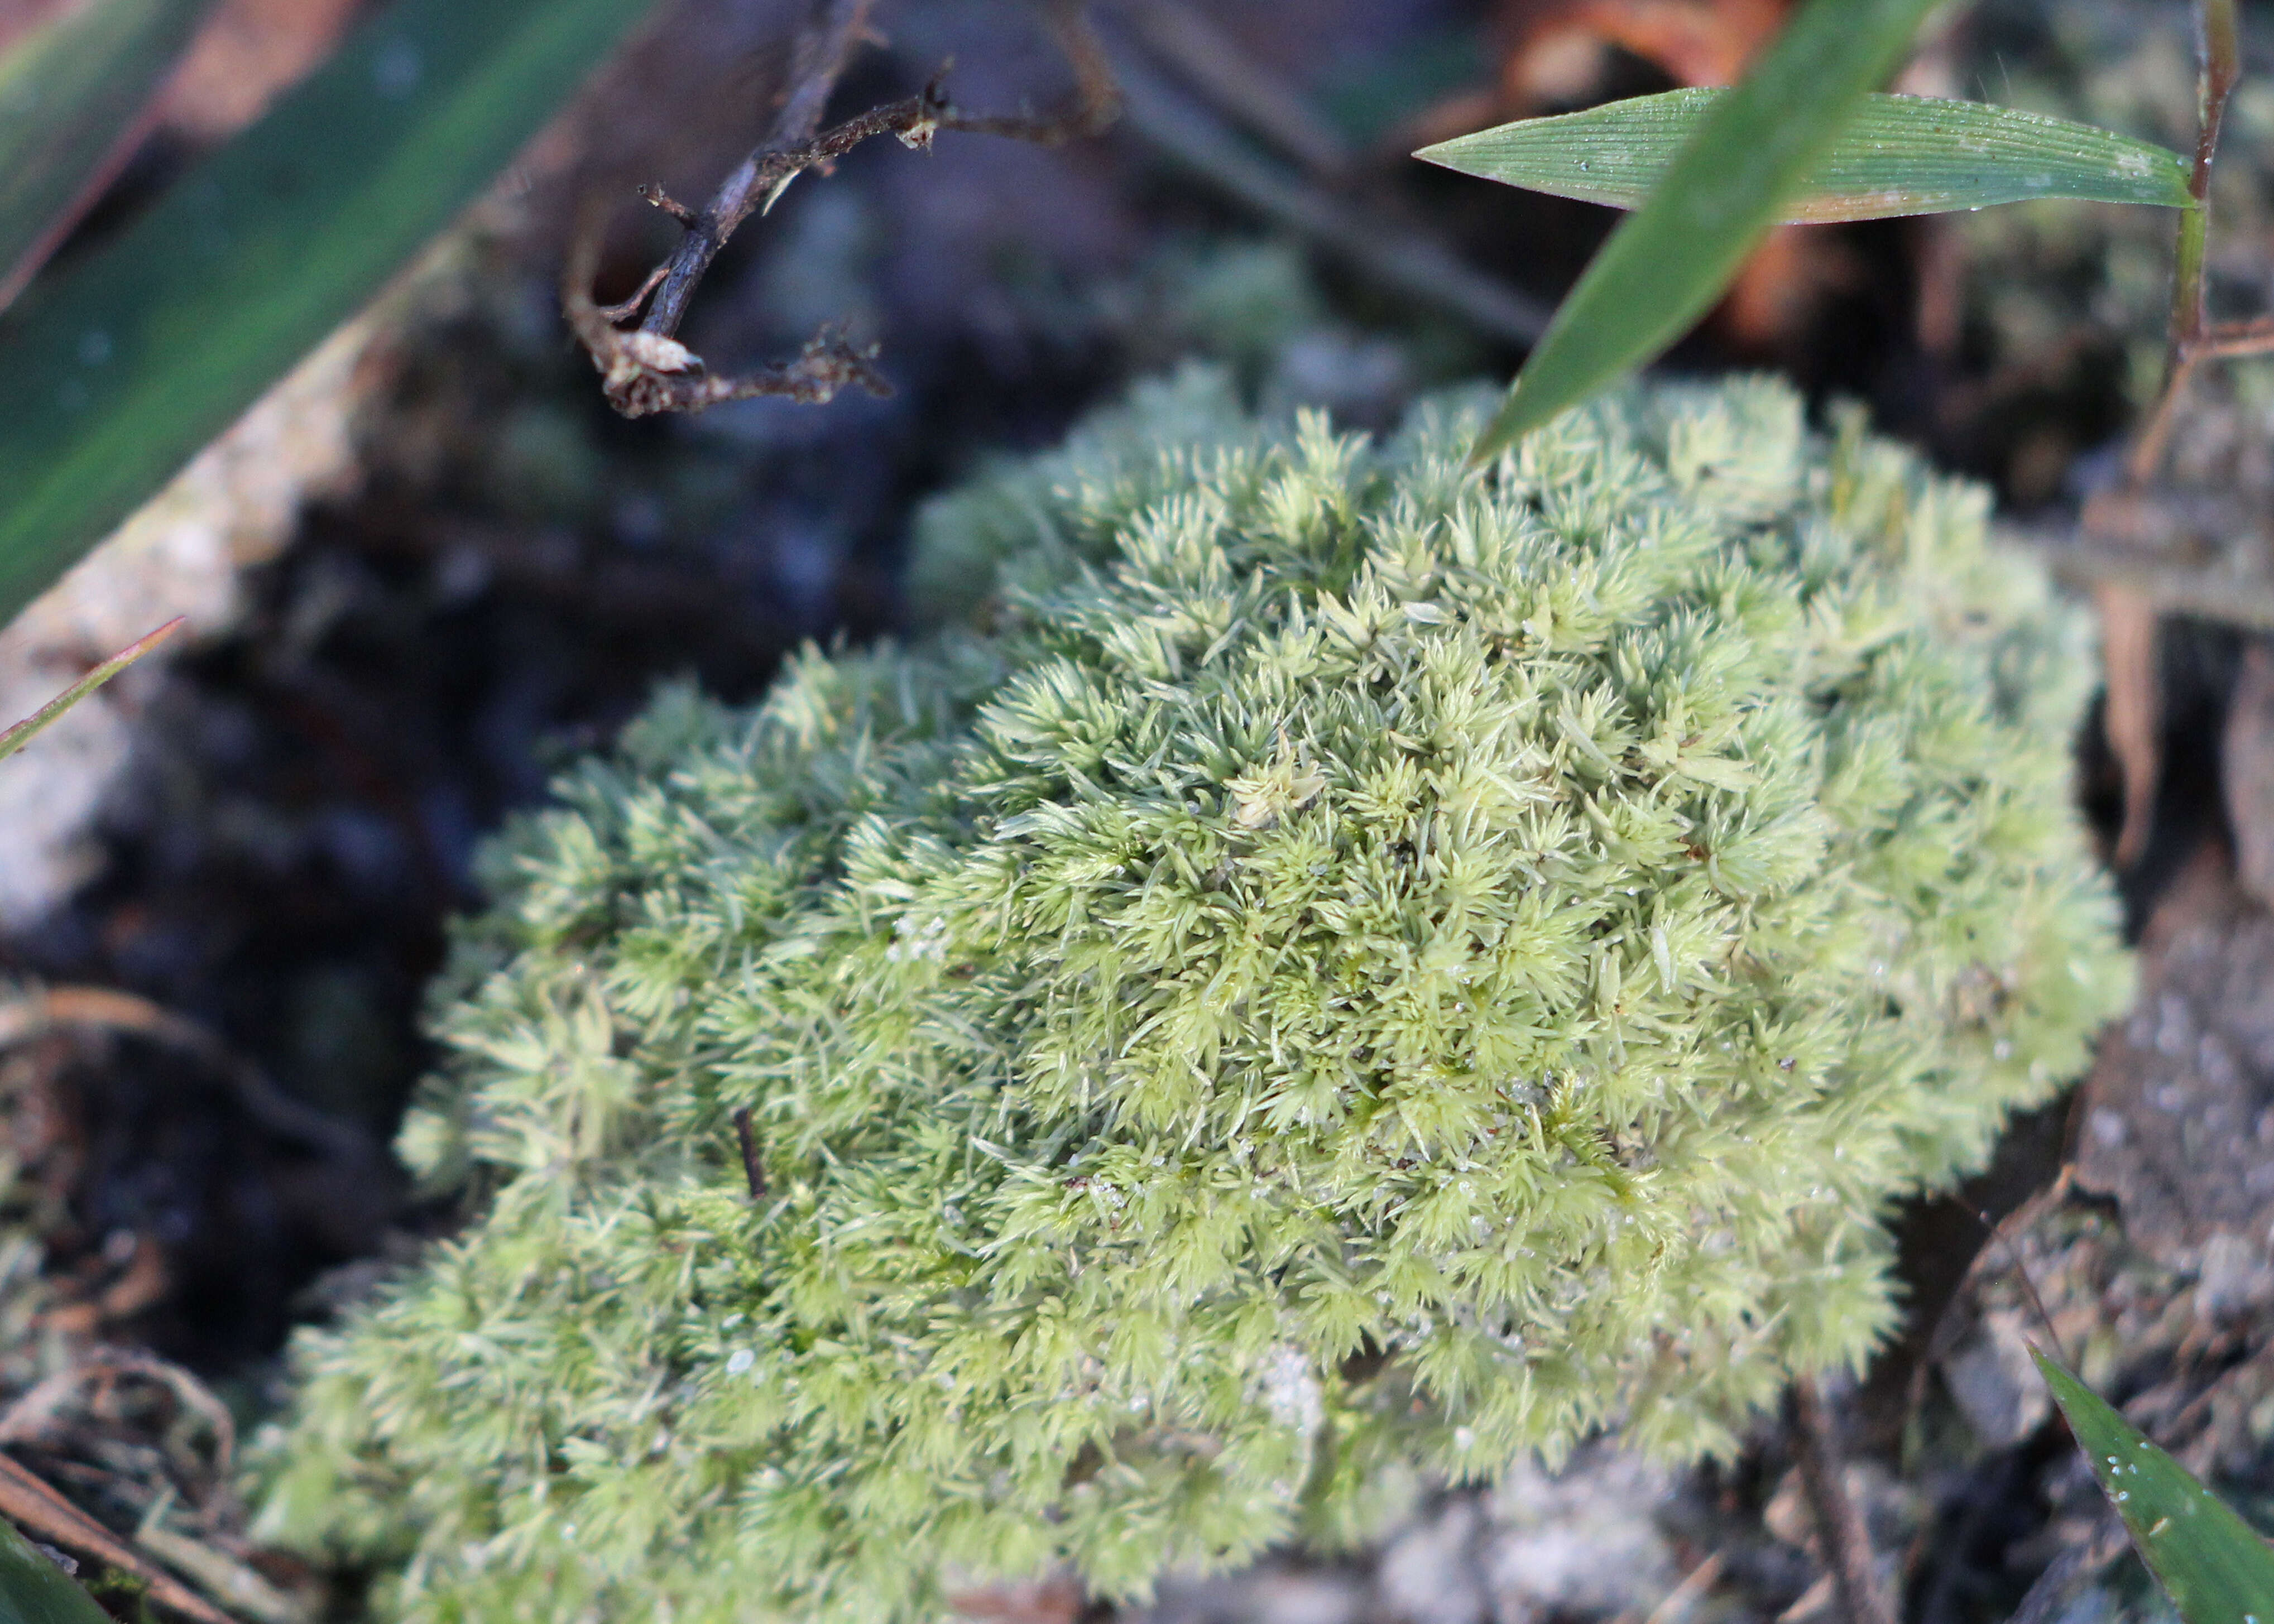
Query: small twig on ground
[
  {"x": 27, "y": 1500},
  {"x": 1196, "y": 46},
  {"x": 238, "y": 1583},
  {"x": 818, "y": 61},
  {"x": 2227, "y": 340},
  {"x": 2056, "y": 1588},
  {"x": 648, "y": 369},
  {"x": 1685, "y": 1596},
  {"x": 2173, "y": 581},
  {"x": 108, "y": 1009},
  {"x": 1844, "y": 1541},
  {"x": 1390, "y": 250},
  {"x": 2005, "y": 1236}
]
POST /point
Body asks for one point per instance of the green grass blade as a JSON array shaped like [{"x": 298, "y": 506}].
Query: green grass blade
[
  {"x": 32, "y": 725},
  {"x": 1898, "y": 155},
  {"x": 1667, "y": 261},
  {"x": 34, "y": 1590},
  {"x": 2215, "y": 1567},
  {"x": 72, "y": 93},
  {"x": 114, "y": 374}
]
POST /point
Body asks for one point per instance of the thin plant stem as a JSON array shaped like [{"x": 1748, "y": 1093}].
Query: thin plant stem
[
  {"x": 2188, "y": 341},
  {"x": 1844, "y": 1541},
  {"x": 30, "y": 728}
]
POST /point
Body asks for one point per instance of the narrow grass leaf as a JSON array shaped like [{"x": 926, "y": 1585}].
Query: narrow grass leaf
[
  {"x": 74, "y": 96},
  {"x": 1667, "y": 261},
  {"x": 114, "y": 374},
  {"x": 32, "y": 725},
  {"x": 2215, "y": 1565},
  {"x": 34, "y": 1590},
  {"x": 1899, "y": 156}
]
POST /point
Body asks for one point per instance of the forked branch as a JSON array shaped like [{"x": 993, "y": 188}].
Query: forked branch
[{"x": 647, "y": 370}]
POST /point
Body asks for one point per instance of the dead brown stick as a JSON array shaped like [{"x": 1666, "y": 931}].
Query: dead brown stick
[
  {"x": 1198, "y": 47},
  {"x": 649, "y": 370},
  {"x": 1390, "y": 252},
  {"x": 825, "y": 45},
  {"x": 27, "y": 1502},
  {"x": 2229, "y": 338},
  {"x": 1841, "y": 1535},
  {"x": 42, "y": 1010},
  {"x": 1679, "y": 1601},
  {"x": 2201, "y": 593}
]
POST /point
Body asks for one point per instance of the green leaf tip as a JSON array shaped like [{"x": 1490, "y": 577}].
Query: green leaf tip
[
  {"x": 2216, "y": 1567},
  {"x": 1724, "y": 187},
  {"x": 32, "y": 725},
  {"x": 1899, "y": 156}
]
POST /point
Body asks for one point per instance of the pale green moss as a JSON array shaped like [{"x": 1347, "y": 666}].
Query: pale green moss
[{"x": 1333, "y": 960}]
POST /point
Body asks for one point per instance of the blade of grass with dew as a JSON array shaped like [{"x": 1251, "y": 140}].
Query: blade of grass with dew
[
  {"x": 114, "y": 374},
  {"x": 34, "y": 1590},
  {"x": 1897, "y": 155},
  {"x": 74, "y": 96},
  {"x": 2214, "y": 1564},
  {"x": 1667, "y": 261},
  {"x": 32, "y": 725}
]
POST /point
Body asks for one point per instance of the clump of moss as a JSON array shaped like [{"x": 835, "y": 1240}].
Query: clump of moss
[{"x": 1325, "y": 958}]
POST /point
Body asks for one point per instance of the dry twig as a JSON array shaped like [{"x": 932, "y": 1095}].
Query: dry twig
[
  {"x": 2058, "y": 1587},
  {"x": 1391, "y": 251},
  {"x": 1192, "y": 42},
  {"x": 648, "y": 369},
  {"x": 2158, "y": 557},
  {"x": 238, "y": 1583},
  {"x": 1845, "y": 1542},
  {"x": 27, "y": 1500},
  {"x": 1678, "y": 1602},
  {"x": 108, "y": 1009}
]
